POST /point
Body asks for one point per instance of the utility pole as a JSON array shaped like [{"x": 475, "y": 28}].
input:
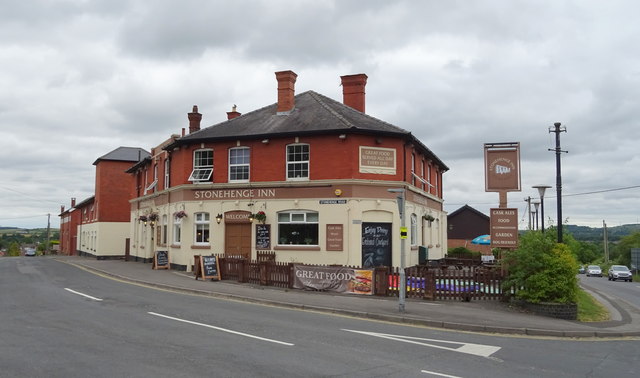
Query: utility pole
[
  {"x": 606, "y": 243},
  {"x": 46, "y": 247},
  {"x": 557, "y": 129}
]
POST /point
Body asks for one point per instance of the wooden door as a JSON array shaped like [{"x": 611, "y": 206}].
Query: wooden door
[{"x": 237, "y": 239}]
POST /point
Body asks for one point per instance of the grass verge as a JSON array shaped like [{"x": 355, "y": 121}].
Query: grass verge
[{"x": 589, "y": 309}]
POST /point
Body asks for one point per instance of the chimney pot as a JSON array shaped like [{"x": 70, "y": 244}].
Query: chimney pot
[
  {"x": 353, "y": 93},
  {"x": 286, "y": 90},
  {"x": 73, "y": 202},
  {"x": 233, "y": 113},
  {"x": 194, "y": 120}
]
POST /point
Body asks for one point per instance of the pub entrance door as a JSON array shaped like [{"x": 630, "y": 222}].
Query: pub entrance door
[{"x": 237, "y": 240}]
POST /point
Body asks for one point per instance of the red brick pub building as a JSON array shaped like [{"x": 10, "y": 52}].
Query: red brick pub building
[{"x": 306, "y": 177}]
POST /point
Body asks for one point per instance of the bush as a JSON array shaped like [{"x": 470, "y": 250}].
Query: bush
[
  {"x": 542, "y": 270},
  {"x": 462, "y": 253}
]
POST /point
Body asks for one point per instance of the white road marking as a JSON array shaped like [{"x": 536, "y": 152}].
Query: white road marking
[
  {"x": 220, "y": 329},
  {"x": 467, "y": 348},
  {"x": 84, "y": 295},
  {"x": 439, "y": 374}
]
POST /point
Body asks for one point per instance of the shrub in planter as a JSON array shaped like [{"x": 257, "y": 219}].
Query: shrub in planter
[{"x": 542, "y": 270}]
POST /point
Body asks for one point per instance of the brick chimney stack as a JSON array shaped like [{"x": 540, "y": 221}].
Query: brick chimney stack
[
  {"x": 233, "y": 113},
  {"x": 73, "y": 202},
  {"x": 194, "y": 120},
  {"x": 286, "y": 90},
  {"x": 353, "y": 94}
]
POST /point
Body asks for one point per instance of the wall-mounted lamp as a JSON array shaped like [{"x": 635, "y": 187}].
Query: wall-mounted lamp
[
  {"x": 378, "y": 140},
  {"x": 219, "y": 218},
  {"x": 251, "y": 217},
  {"x": 265, "y": 141},
  {"x": 342, "y": 136}
]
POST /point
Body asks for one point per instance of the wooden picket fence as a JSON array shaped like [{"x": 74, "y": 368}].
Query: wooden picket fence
[{"x": 439, "y": 283}]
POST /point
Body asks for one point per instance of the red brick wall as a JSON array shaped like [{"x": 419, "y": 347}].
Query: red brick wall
[
  {"x": 113, "y": 190},
  {"x": 330, "y": 158}
]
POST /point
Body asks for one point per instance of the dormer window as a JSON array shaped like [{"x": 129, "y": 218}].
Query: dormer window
[{"x": 202, "y": 166}]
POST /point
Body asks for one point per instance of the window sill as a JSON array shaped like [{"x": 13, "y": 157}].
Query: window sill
[
  {"x": 200, "y": 247},
  {"x": 414, "y": 247},
  {"x": 175, "y": 246},
  {"x": 297, "y": 247}
]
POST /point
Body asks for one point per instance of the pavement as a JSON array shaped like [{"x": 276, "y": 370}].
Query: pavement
[{"x": 476, "y": 316}]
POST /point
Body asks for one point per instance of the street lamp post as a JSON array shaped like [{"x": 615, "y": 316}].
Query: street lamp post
[
  {"x": 402, "y": 279},
  {"x": 541, "y": 190},
  {"x": 536, "y": 205}
]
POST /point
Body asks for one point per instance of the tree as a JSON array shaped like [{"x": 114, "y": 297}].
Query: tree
[
  {"x": 14, "y": 249},
  {"x": 542, "y": 270},
  {"x": 623, "y": 248}
]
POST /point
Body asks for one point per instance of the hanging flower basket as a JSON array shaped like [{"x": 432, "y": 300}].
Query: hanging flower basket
[
  {"x": 142, "y": 218},
  {"x": 180, "y": 214},
  {"x": 428, "y": 218},
  {"x": 260, "y": 216},
  {"x": 153, "y": 217}
]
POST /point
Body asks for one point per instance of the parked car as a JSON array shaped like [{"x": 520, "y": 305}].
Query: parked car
[
  {"x": 594, "y": 270},
  {"x": 621, "y": 272},
  {"x": 30, "y": 252},
  {"x": 581, "y": 270}
]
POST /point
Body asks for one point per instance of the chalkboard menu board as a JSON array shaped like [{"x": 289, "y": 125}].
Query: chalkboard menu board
[
  {"x": 161, "y": 260},
  {"x": 376, "y": 244},
  {"x": 263, "y": 236},
  {"x": 207, "y": 267}
]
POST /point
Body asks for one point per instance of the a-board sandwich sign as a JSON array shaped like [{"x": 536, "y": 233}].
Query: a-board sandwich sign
[
  {"x": 207, "y": 267},
  {"x": 160, "y": 260}
]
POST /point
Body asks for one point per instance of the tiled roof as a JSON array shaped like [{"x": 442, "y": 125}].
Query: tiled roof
[
  {"x": 313, "y": 114},
  {"x": 132, "y": 154}
]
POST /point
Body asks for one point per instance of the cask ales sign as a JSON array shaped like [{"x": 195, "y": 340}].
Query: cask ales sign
[{"x": 504, "y": 228}]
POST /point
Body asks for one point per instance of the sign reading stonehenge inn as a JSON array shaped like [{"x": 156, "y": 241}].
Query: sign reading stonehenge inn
[
  {"x": 502, "y": 167},
  {"x": 504, "y": 228},
  {"x": 377, "y": 160}
]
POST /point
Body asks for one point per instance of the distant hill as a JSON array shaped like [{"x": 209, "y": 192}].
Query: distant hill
[{"x": 615, "y": 233}]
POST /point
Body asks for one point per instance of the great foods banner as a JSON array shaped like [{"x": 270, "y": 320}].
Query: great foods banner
[{"x": 338, "y": 279}]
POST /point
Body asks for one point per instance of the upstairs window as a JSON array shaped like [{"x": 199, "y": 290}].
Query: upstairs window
[
  {"x": 239, "y": 164},
  {"x": 298, "y": 162},
  {"x": 167, "y": 172},
  {"x": 202, "y": 166}
]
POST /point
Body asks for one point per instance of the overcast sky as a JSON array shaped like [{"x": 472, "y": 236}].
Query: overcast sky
[{"x": 79, "y": 78}]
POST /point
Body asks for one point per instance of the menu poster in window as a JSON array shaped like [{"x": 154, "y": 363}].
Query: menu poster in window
[
  {"x": 160, "y": 260},
  {"x": 263, "y": 236}
]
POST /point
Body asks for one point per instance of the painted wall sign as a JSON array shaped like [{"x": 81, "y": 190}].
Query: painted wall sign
[
  {"x": 335, "y": 237},
  {"x": 239, "y": 216},
  {"x": 504, "y": 228},
  {"x": 377, "y": 160},
  {"x": 502, "y": 167}
]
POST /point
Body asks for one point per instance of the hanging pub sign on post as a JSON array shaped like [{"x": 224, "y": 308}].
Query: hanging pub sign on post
[{"x": 502, "y": 175}]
